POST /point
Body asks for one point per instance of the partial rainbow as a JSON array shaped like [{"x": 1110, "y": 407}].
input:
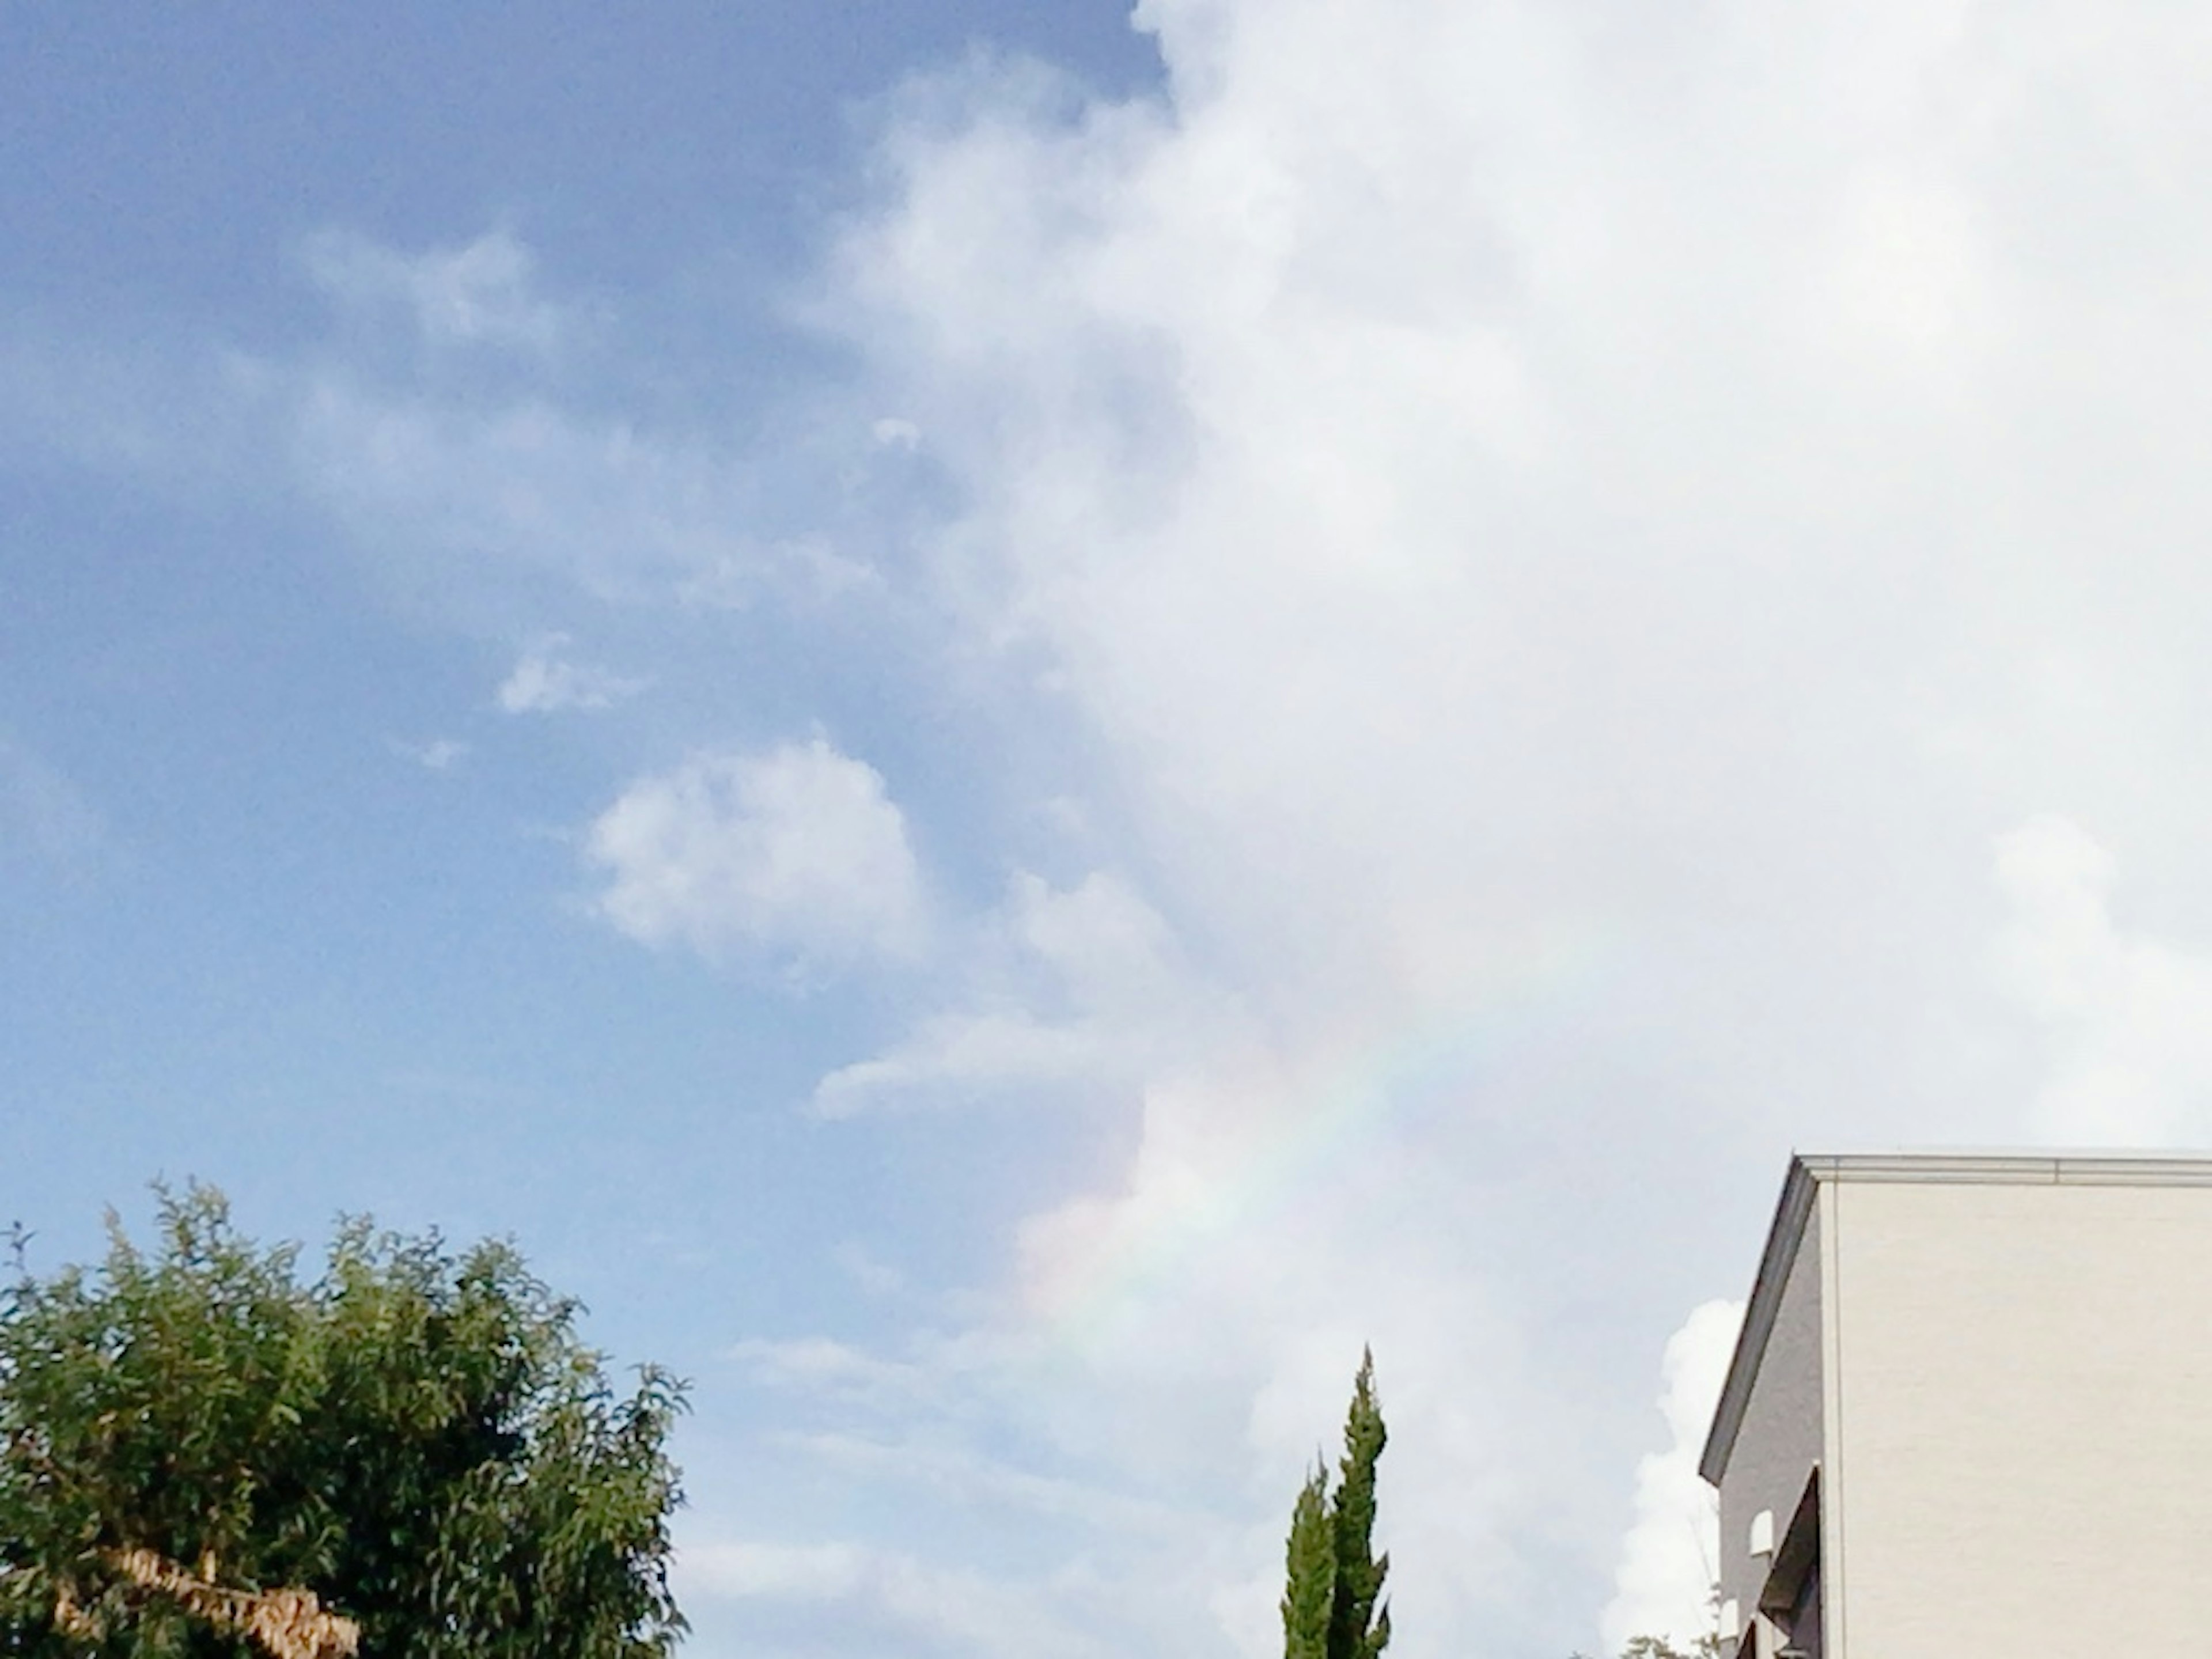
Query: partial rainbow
[{"x": 1341, "y": 1102}]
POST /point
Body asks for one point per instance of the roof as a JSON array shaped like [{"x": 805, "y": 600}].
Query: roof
[{"x": 1808, "y": 1171}]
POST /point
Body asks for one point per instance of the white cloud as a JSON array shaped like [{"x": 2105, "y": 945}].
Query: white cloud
[
  {"x": 2130, "y": 1016},
  {"x": 466, "y": 489},
  {"x": 796, "y": 852},
  {"x": 962, "y": 1057},
  {"x": 807, "y": 569},
  {"x": 455, "y": 484},
  {"x": 1671, "y": 1555},
  {"x": 490, "y": 482},
  {"x": 1080, "y": 989},
  {"x": 481, "y": 294},
  {"x": 545, "y": 681},
  {"x": 438, "y": 755}
]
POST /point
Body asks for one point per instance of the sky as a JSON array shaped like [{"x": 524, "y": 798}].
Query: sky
[{"x": 1012, "y": 720}]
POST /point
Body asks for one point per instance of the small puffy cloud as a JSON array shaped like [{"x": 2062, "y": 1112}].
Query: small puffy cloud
[
  {"x": 797, "y": 852},
  {"x": 1663, "y": 1584},
  {"x": 438, "y": 755},
  {"x": 2130, "y": 1016},
  {"x": 481, "y": 293},
  {"x": 545, "y": 681}
]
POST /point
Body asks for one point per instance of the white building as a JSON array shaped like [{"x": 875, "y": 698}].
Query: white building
[{"x": 1969, "y": 1414}]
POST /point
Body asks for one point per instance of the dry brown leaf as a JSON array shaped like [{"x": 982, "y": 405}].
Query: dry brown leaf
[
  {"x": 72, "y": 1620},
  {"x": 285, "y": 1624}
]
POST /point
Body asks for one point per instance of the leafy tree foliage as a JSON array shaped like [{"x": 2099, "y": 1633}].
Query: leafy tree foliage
[
  {"x": 1707, "y": 1646},
  {"x": 1332, "y": 1606},
  {"x": 205, "y": 1455}
]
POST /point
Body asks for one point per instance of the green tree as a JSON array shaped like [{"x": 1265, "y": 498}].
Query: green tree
[
  {"x": 1310, "y": 1597},
  {"x": 205, "y": 1456},
  {"x": 1332, "y": 1606},
  {"x": 1360, "y": 1622},
  {"x": 1707, "y": 1646}
]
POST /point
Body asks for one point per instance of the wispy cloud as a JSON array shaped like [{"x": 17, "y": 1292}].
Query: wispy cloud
[
  {"x": 481, "y": 292},
  {"x": 818, "y": 1366},
  {"x": 546, "y": 681},
  {"x": 1075, "y": 991},
  {"x": 520, "y": 483},
  {"x": 464, "y": 470}
]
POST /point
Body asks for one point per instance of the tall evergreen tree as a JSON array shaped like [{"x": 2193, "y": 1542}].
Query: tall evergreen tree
[
  {"x": 1360, "y": 1622},
  {"x": 1333, "y": 1604},
  {"x": 1310, "y": 1598}
]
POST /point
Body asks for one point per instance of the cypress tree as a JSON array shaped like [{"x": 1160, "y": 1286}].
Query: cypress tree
[
  {"x": 1360, "y": 1621},
  {"x": 1332, "y": 1604},
  {"x": 1309, "y": 1599}
]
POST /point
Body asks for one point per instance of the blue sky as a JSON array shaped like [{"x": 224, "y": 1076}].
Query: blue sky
[{"x": 1011, "y": 720}]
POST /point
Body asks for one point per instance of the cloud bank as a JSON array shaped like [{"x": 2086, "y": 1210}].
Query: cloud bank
[{"x": 1570, "y": 534}]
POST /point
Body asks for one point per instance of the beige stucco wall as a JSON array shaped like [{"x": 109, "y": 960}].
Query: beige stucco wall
[{"x": 2022, "y": 1413}]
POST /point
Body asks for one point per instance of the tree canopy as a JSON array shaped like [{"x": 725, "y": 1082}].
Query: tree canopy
[{"x": 204, "y": 1453}]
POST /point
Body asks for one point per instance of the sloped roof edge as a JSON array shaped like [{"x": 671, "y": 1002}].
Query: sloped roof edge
[{"x": 1807, "y": 1171}]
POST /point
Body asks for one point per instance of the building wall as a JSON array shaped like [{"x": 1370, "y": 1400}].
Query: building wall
[
  {"x": 2022, "y": 1409},
  {"x": 1780, "y": 1439}
]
